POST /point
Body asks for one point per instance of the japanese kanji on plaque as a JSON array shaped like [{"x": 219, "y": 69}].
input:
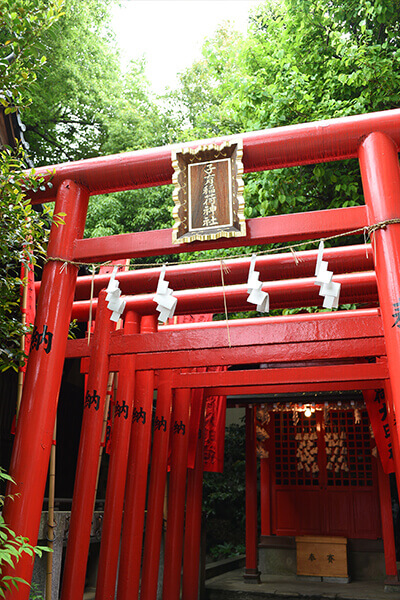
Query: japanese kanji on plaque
[{"x": 208, "y": 192}]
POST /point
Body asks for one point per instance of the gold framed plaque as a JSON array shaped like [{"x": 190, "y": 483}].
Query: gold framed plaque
[{"x": 208, "y": 192}]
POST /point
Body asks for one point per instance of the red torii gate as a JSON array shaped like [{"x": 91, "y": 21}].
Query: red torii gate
[
  {"x": 358, "y": 375},
  {"x": 374, "y": 139}
]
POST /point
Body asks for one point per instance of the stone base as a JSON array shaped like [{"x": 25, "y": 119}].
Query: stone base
[
  {"x": 336, "y": 579},
  {"x": 392, "y": 584},
  {"x": 366, "y": 559},
  {"x": 251, "y": 576},
  {"x": 61, "y": 519}
]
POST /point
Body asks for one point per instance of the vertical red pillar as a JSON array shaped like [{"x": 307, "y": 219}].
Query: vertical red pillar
[
  {"x": 136, "y": 483},
  {"x": 387, "y": 524},
  {"x": 191, "y": 555},
  {"x": 158, "y": 475},
  {"x": 121, "y": 431},
  {"x": 393, "y": 432},
  {"x": 33, "y": 440},
  {"x": 88, "y": 456},
  {"x": 379, "y": 164},
  {"x": 176, "y": 495},
  {"x": 265, "y": 496},
  {"x": 251, "y": 573}
]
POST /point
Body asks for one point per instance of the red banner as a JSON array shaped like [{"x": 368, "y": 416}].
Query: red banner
[
  {"x": 214, "y": 434},
  {"x": 214, "y": 431},
  {"x": 215, "y": 411},
  {"x": 378, "y": 415},
  {"x": 196, "y": 405}
]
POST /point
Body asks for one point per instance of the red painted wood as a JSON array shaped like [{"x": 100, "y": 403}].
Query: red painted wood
[
  {"x": 322, "y": 512},
  {"x": 176, "y": 495},
  {"x": 292, "y": 293},
  {"x": 309, "y": 143},
  {"x": 120, "y": 436},
  {"x": 323, "y": 509},
  {"x": 298, "y": 329},
  {"x": 343, "y": 325},
  {"x": 33, "y": 440},
  {"x": 251, "y": 493},
  {"x": 329, "y": 351},
  {"x": 74, "y": 573},
  {"x": 323, "y": 373},
  {"x": 306, "y": 143},
  {"x": 136, "y": 481},
  {"x": 158, "y": 475},
  {"x": 281, "y": 388},
  {"x": 265, "y": 495},
  {"x": 192, "y": 541},
  {"x": 265, "y": 230},
  {"x": 346, "y": 259},
  {"x": 387, "y": 521},
  {"x": 380, "y": 171},
  {"x": 393, "y": 431}
]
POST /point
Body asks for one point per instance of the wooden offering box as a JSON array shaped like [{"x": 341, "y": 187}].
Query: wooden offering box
[{"x": 322, "y": 556}]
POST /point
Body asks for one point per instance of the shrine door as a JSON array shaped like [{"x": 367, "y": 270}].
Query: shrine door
[{"x": 323, "y": 475}]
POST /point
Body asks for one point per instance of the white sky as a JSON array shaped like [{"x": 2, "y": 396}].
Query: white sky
[{"x": 170, "y": 33}]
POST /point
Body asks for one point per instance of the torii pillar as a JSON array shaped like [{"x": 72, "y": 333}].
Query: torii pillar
[
  {"x": 379, "y": 164},
  {"x": 34, "y": 437}
]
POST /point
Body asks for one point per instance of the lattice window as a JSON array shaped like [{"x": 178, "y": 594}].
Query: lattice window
[
  {"x": 288, "y": 441},
  {"x": 353, "y": 444},
  {"x": 347, "y": 461}
]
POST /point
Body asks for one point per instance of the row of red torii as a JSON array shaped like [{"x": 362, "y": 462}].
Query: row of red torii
[{"x": 175, "y": 350}]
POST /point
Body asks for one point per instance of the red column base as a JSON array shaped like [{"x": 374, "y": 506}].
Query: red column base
[
  {"x": 251, "y": 576},
  {"x": 392, "y": 580}
]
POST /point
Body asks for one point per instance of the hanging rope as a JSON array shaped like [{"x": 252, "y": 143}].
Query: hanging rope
[
  {"x": 91, "y": 304},
  {"x": 226, "y": 309}
]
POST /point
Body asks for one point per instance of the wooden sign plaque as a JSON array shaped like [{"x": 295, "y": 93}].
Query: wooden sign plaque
[{"x": 208, "y": 192}]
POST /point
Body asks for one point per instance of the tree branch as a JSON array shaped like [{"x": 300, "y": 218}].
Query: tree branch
[{"x": 49, "y": 140}]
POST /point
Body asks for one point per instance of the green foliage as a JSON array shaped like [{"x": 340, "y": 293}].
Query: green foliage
[
  {"x": 12, "y": 548},
  {"x": 134, "y": 210},
  {"x": 21, "y": 53},
  {"x": 226, "y": 550},
  {"x": 22, "y": 235},
  {"x": 83, "y": 105},
  {"x": 224, "y": 493},
  {"x": 74, "y": 94},
  {"x": 24, "y": 25},
  {"x": 303, "y": 60},
  {"x": 317, "y": 60},
  {"x": 205, "y": 102}
]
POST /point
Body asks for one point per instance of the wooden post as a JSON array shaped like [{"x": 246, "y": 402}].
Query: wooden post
[
  {"x": 158, "y": 475},
  {"x": 191, "y": 554},
  {"x": 121, "y": 432},
  {"x": 86, "y": 474},
  {"x": 251, "y": 573},
  {"x": 379, "y": 165},
  {"x": 176, "y": 495},
  {"x": 50, "y": 516},
  {"x": 385, "y": 502},
  {"x": 34, "y": 435},
  {"x": 136, "y": 479},
  {"x": 265, "y": 492}
]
